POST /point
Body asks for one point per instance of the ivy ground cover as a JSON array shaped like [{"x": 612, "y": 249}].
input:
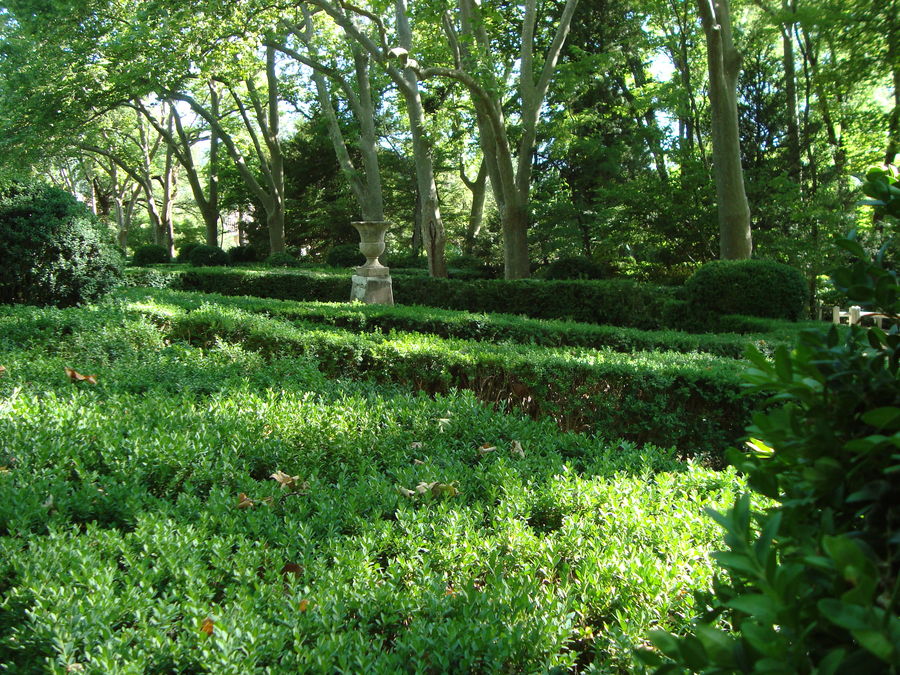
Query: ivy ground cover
[{"x": 173, "y": 507}]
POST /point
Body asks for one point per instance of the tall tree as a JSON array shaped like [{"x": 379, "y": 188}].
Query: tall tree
[{"x": 724, "y": 63}]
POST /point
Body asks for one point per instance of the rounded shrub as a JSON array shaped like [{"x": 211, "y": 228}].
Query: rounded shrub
[
  {"x": 184, "y": 251},
  {"x": 345, "y": 255},
  {"x": 53, "y": 250},
  {"x": 208, "y": 256},
  {"x": 574, "y": 268},
  {"x": 282, "y": 259},
  {"x": 752, "y": 287},
  {"x": 243, "y": 254},
  {"x": 150, "y": 255}
]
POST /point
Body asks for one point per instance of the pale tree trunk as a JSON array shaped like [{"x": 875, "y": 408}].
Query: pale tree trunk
[
  {"x": 478, "y": 188},
  {"x": 790, "y": 90},
  {"x": 434, "y": 238},
  {"x": 264, "y": 138},
  {"x": 168, "y": 199},
  {"x": 366, "y": 184},
  {"x": 893, "y": 52},
  {"x": 724, "y": 63},
  {"x": 211, "y": 210},
  {"x": 510, "y": 175},
  {"x": 406, "y": 79}
]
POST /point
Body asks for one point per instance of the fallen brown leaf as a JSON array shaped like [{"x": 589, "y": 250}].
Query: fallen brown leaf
[
  {"x": 75, "y": 376},
  {"x": 207, "y": 626}
]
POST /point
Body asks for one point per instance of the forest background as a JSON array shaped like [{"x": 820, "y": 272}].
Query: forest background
[{"x": 495, "y": 134}]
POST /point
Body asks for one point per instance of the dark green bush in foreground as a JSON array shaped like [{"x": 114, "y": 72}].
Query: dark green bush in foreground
[
  {"x": 282, "y": 259},
  {"x": 345, "y": 255},
  {"x": 811, "y": 584},
  {"x": 53, "y": 251},
  {"x": 208, "y": 256},
  {"x": 151, "y": 254},
  {"x": 184, "y": 252},
  {"x": 761, "y": 288},
  {"x": 243, "y": 254}
]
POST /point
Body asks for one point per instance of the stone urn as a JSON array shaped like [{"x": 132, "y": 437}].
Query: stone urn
[
  {"x": 372, "y": 281},
  {"x": 371, "y": 243}
]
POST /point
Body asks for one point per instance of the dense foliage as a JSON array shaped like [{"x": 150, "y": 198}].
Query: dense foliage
[
  {"x": 344, "y": 255},
  {"x": 752, "y": 287},
  {"x": 243, "y": 254},
  {"x": 52, "y": 250},
  {"x": 811, "y": 583},
  {"x": 208, "y": 256},
  {"x": 141, "y": 528},
  {"x": 150, "y": 254}
]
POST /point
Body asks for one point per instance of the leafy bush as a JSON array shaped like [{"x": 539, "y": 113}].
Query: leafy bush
[
  {"x": 468, "y": 267},
  {"x": 243, "y": 254},
  {"x": 184, "y": 252},
  {"x": 208, "y": 256},
  {"x": 282, "y": 260},
  {"x": 345, "y": 255},
  {"x": 761, "y": 288},
  {"x": 574, "y": 268},
  {"x": 693, "y": 400},
  {"x": 152, "y": 491},
  {"x": 151, "y": 254},
  {"x": 811, "y": 583},
  {"x": 52, "y": 249},
  {"x": 481, "y": 327}
]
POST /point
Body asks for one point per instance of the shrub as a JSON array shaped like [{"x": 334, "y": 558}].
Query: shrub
[
  {"x": 150, "y": 254},
  {"x": 574, "y": 268},
  {"x": 53, "y": 251},
  {"x": 751, "y": 287},
  {"x": 468, "y": 267},
  {"x": 243, "y": 254},
  {"x": 282, "y": 259},
  {"x": 811, "y": 583},
  {"x": 208, "y": 256},
  {"x": 345, "y": 255},
  {"x": 184, "y": 251}
]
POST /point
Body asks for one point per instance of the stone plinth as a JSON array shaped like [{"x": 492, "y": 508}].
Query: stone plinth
[{"x": 372, "y": 289}]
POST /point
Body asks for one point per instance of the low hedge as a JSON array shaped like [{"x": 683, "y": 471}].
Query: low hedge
[
  {"x": 613, "y": 302},
  {"x": 691, "y": 401},
  {"x": 469, "y": 326}
]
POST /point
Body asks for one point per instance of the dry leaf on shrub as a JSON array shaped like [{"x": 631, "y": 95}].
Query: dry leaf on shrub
[
  {"x": 304, "y": 605},
  {"x": 416, "y": 444},
  {"x": 75, "y": 376},
  {"x": 438, "y": 489},
  {"x": 403, "y": 491},
  {"x": 286, "y": 481},
  {"x": 418, "y": 462},
  {"x": 516, "y": 449},
  {"x": 244, "y": 502},
  {"x": 486, "y": 448},
  {"x": 2, "y": 370},
  {"x": 207, "y": 626}
]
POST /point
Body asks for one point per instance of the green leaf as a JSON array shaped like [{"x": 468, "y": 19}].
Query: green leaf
[
  {"x": 666, "y": 643},
  {"x": 755, "y": 605},
  {"x": 851, "y": 617},
  {"x": 783, "y": 367},
  {"x": 877, "y": 642},
  {"x": 718, "y": 645},
  {"x": 882, "y": 418}
]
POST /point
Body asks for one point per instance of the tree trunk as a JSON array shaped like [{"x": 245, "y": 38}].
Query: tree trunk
[
  {"x": 515, "y": 241},
  {"x": 724, "y": 63},
  {"x": 211, "y": 210},
  {"x": 433, "y": 235},
  {"x": 790, "y": 89},
  {"x": 893, "y": 53},
  {"x": 478, "y": 188}
]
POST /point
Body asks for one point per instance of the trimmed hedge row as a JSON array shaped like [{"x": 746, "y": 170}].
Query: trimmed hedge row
[
  {"x": 468, "y": 326},
  {"x": 690, "y": 401},
  {"x": 615, "y": 302}
]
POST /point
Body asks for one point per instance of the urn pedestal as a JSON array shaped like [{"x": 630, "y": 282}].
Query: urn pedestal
[{"x": 372, "y": 281}]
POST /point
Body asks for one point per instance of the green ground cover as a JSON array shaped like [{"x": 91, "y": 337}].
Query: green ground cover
[{"x": 141, "y": 531}]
